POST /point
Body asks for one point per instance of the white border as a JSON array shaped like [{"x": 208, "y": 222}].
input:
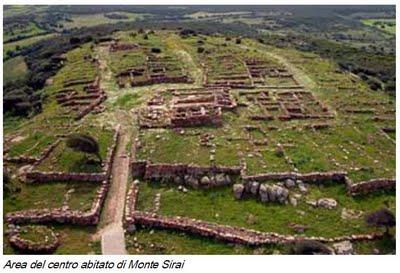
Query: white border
[{"x": 229, "y": 263}]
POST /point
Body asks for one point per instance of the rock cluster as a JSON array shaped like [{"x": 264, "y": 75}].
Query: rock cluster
[{"x": 265, "y": 192}]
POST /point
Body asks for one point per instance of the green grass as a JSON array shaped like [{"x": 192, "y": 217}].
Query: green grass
[
  {"x": 219, "y": 205},
  {"x": 15, "y": 69},
  {"x": 65, "y": 159},
  {"x": 88, "y": 20},
  {"x": 28, "y": 30},
  {"x": 386, "y": 25},
  {"x": 51, "y": 195},
  {"x": 74, "y": 240},
  {"x": 20, "y": 44},
  {"x": 31, "y": 145},
  {"x": 156, "y": 242}
]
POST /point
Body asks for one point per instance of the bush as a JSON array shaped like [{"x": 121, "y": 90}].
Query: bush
[
  {"x": 309, "y": 247},
  {"x": 381, "y": 218},
  {"x": 83, "y": 143},
  {"x": 156, "y": 50},
  {"x": 200, "y": 49},
  {"x": 238, "y": 41}
]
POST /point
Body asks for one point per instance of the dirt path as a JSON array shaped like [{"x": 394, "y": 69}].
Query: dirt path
[{"x": 112, "y": 233}]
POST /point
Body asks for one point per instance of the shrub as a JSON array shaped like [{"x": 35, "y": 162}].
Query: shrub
[
  {"x": 83, "y": 143},
  {"x": 381, "y": 218},
  {"x": 200, "y": 49},
  {"x": 238, "y": 41},
  {"x": 309, "y": 247},
  {"x": 156, "y": 50}
]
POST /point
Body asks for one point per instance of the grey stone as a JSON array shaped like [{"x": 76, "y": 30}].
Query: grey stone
[
  {"x": 293, "y": 201},
  {"x": 238, "y": 190},
  {"x": 263, "y": 191},
  {"x": 343, "y": 248},
  {"x": 220, "y": 179},
  {"x": 328, "y": 203},
  {"x": 289, "y": 183},
  {"x": 205, "y": 180},
  {"x": 254, "y": 188}
]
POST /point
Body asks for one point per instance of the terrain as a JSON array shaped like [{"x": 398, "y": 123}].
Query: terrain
[{"x": 227, "y": 132}]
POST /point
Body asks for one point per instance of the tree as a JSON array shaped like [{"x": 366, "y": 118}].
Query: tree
[
  {"x": 381, "y": 218},
  {"x": 83, "y": 143},
  {"x": 309, "y": 247}
]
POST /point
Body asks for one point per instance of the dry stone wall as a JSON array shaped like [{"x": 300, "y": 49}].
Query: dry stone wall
[
  {"x": 231, "y": 234},
  {"x": 67, "y": 216}
]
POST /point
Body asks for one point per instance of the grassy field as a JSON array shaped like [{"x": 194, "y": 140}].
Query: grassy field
[
  {"x": 98, "y": 19},
  {"x": 18, "y": 45},
  {"x": 386, "y": 25},
  {"x": 353, "y": 142},
  {"x": 14, "y": 69}
]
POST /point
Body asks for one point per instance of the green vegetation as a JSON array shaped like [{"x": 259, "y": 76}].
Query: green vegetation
[
  {"x": 15, "y": 70},
  {"x": 343, "y": 58},
  {"x": 387, "y": 25}
]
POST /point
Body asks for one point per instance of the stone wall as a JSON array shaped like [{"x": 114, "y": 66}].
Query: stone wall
[
  {"x": 36, "y": 160},
  {"x": 231, "y": 234},
  {"x": 28, "y": 247},
  {"x": 130, "y": 204},
  {"x": 314, "y": 177},
  {"x": 371, "y": 185},
  {"x": 191, "y": 175},
  {"x": 67, "y": 216},
  {"x": 36, "y": 176}
]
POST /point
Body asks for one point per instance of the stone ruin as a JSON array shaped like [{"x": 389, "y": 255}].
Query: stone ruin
[
  {"x": 260, "y": 69},
  {"x": 115, "y": 47},
  {"x": 82, "y": 104},
  {"x": 62, "y": 215},
  {"x": 48, "y": 246},
  {"x": 286, "y": 105},
  {"x": 188, "y": 108},
  {"x": 156, "y": 69}
]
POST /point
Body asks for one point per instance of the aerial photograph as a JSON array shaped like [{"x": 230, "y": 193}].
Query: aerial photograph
[{"x": 197, "y": 129}]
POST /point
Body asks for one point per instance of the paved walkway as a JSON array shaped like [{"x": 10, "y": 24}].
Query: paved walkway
[{"x": 112, "y": 235}]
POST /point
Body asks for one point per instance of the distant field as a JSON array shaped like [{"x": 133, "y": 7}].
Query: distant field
[
  {"x": 88, "y": 20},
  {"x": 202, "y": 14},
  {"x": 24, "y": 42},
  {"x": 387, "y": 25},
  {"x": 26, "y": 31},
  {"x": 14, "y": 69}
]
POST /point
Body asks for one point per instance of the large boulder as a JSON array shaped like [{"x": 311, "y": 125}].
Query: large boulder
[
  {"x": 220, "y": 179},
  {"x": 238, "y": 190},
  {"x": 302, "y": 186},
  {"x": 254, "y": 188},
  {"x": 192, "y": 181},
  {"x": 205, "y": 181},
  {"x": 263, "y": 192},
  {"x": 328, "y": 203},
  {"x": 344, "y": 248},
  {"x": 290, "y": 183}
]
